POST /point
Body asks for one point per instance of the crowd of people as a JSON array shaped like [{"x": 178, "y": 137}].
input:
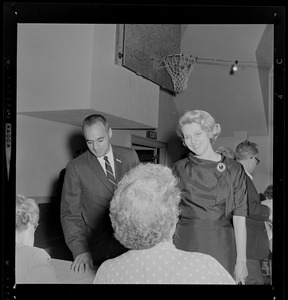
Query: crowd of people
[{"x": 200, "y": 221}]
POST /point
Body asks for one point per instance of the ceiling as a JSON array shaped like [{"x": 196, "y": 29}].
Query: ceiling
[{"x": 238, "y": 102}]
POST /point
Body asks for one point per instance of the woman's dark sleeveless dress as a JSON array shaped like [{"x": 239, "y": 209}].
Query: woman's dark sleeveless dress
[{"x": 211, "y": 193}]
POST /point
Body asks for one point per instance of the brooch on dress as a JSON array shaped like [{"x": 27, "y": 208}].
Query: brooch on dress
[{"x": 221, "y": 167}]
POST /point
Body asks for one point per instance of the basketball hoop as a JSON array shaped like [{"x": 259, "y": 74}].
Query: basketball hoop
[{"x": 179, "y": 66}]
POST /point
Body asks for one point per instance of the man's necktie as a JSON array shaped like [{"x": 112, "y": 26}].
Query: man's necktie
[{"x": 109, "y": 171}]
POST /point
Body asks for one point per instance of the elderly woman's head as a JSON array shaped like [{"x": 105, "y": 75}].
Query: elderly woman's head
[
  {"x": 145, "y": 208},
  {"x": 27, "y": 213}
]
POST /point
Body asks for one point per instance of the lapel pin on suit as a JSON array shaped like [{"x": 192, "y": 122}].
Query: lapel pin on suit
[{"x": 118, "y": 160}]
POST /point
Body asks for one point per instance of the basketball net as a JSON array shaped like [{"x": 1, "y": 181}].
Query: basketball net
[{"x": 179, "y": 66}]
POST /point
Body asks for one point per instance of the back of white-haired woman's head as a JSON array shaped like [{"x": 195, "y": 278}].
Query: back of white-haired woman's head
[
  {"x": 145, "y": 207},
  {"x": 27, "y": 211},
  {"x": 204, "y": 119}
]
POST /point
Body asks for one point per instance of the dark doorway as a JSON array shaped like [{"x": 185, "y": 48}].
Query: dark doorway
[{"x": 147, "y": 154}]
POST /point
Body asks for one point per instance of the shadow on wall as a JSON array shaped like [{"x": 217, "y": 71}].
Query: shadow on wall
[
  {"x": 175, "y": 149},
  {"x": 49, "y": 234},
  {"x": 76, "y": 144}
]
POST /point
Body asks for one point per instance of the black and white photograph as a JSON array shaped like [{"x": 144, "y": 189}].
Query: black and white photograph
[{"x": 143, "y": 146}]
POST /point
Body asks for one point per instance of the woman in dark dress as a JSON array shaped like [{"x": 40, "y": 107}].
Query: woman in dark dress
[{"x": 213, "y": 194}]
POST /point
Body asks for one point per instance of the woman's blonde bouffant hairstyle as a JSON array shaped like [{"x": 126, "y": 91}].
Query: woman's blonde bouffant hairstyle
[{"x": 204, "y": 119}]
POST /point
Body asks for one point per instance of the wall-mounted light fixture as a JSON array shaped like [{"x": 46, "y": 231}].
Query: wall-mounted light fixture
[{"x": 234, "y": 67}]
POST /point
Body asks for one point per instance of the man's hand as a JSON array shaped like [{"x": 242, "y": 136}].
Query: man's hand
[{"x": 82, "y": 263}]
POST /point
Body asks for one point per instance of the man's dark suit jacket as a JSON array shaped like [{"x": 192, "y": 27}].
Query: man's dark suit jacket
[
  {"x": 257, "y": 239},
  {"x": 85, "y": 200}
]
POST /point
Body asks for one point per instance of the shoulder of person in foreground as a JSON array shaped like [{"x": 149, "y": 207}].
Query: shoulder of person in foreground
[
  {"x": 100, "y": 277},
  {"x": 109, "y": 267},
  {"x": 216, "y": 273},
  {"x": 203, "y": 267},
  {"x": 38, "y": 266}
]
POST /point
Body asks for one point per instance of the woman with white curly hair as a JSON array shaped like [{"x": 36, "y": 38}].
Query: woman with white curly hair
[
  {"x": 33, "y": 264},
  {"x": 144, "y": 213},
  {"x": 214, "y": 193}
]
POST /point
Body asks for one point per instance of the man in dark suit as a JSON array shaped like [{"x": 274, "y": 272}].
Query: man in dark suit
[
  {"x": 87, "y": 191},
  {"x": 257, "y": 239}
]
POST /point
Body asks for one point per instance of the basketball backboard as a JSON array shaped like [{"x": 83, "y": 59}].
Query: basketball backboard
[{"x": 138, "y": 46}]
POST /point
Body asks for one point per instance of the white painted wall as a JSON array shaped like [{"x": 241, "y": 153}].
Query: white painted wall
[
  {"x": 54, "y": 66},
  {"x": 71, "y": 66},
  {"x": 43, "y": 150}
]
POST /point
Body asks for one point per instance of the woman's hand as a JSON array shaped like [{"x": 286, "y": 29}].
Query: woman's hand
[{"x": 240, "y": 271}]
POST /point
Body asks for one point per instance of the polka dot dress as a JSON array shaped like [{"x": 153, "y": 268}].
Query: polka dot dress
[{"x": 162, "y": 264}]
